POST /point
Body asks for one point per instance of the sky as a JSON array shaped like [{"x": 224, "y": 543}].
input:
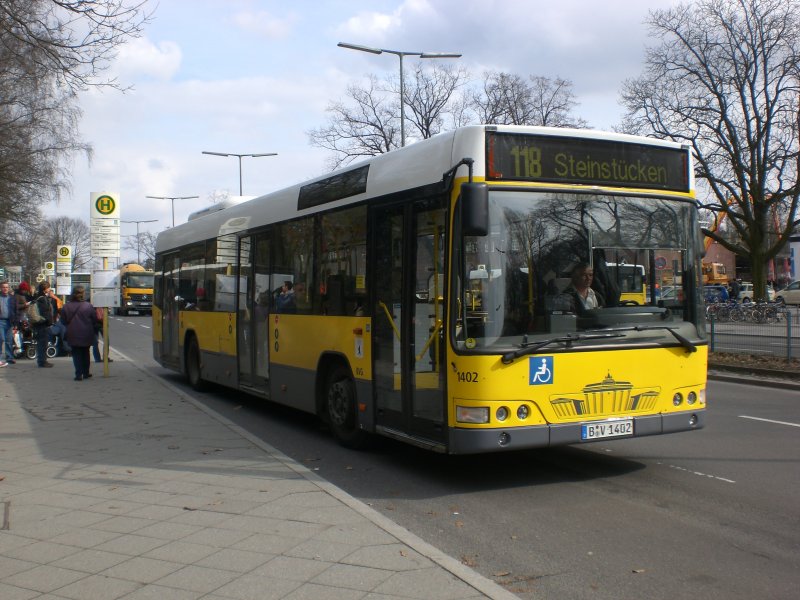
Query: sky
[{"x": 254, "y": 76}]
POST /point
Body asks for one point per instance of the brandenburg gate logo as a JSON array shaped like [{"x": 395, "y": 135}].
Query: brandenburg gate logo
[{"x": 105, "y": 205}]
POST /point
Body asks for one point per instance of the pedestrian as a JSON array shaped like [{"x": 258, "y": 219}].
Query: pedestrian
[
  {"x": 80, "y": 318},
  {"x": 48, "y": 310},
  {"x": 24, "y": 297},
  {"x": 8, "y": 319},
  {"x": 735, "y": 288}
]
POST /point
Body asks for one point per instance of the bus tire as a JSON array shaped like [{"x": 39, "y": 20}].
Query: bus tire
[
  {"x": 193, "y": 372},
  {"x": 340, "y": 408}
]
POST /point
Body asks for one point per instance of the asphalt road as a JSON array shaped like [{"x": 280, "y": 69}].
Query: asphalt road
[{"x": 709, "y": 514}]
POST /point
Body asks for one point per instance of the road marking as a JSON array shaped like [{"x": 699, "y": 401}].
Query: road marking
[
  {"x": 145, "y": 326},
  {"x": 699, "y": 474},
  {"x": 770, "y": 421}
]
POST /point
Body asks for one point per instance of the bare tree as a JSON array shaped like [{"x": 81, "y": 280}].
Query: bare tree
[
  {"x": 20, "y": 244},
  {"x": 367, "y": 126},
  {"x": 725, "y": 78},
  {"x": 67, "y": 231},
  {"x": 430, "y": 97},
  {"x": 71, "y": 40},
  {"x": 368, "y": 122},
  {"x": 49, "y": 51},
  {"x": 509, "y": 99},
  {"x": 144, "y": 245}
]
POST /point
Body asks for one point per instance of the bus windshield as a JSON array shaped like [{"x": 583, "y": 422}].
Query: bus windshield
[{"x": 520, "y": 285}]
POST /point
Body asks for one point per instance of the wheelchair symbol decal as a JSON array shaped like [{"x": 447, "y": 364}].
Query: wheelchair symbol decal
[{"x": 541, "y": 370}]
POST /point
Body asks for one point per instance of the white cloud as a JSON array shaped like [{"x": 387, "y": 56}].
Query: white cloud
[
  {"x": 370, "y": 26},
  {"x": 141, "y": 58},
  {"x": 265, "y": 24}
]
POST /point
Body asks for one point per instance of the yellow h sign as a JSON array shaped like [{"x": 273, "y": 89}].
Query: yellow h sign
[{"x": 105, "y": 205}]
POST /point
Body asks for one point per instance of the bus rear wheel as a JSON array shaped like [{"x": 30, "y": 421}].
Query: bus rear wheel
[
  {"x": 193, "y": 373},
  {"x": 340, "y": 409}
]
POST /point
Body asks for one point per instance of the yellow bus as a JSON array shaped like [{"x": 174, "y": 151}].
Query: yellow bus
[
  {"x": 415, "y": 295},
  {"x": 630, "y": 280},
  {"x": 136, "y": 289}
]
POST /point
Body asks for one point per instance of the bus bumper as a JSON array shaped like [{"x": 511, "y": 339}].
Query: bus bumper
[{"x": 473, "y": 441}]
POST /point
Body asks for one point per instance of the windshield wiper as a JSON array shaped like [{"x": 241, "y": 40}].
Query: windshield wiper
[
  {"x": 509, "y": 357},
  {"x": 685, "y": 342}
]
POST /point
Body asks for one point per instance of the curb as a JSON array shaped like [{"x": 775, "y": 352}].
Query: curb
[{"x": 753, "y": 376}]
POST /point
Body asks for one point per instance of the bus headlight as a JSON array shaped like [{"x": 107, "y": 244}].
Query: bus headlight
[
  {"x": 523, "y": 412},
  {"x": 691, "y": 398},
  {"x": 702, "y": 396},
  {"x": 472, "y": 414},
  {"x": 502, "y": 413},
  {"x": 677, "y": 399}
]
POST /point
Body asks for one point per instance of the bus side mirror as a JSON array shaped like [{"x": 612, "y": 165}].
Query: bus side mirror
[{"x": 475, "y": 208}]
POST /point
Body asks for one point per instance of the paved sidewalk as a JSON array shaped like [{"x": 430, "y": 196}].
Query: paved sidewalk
[{"x": 123, "y": 487}]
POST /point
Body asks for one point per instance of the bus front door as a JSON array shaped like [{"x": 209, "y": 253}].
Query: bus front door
[{"x": 409, "y": 299}]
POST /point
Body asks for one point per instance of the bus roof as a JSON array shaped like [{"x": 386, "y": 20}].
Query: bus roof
[{"x": 423, "y": 163}]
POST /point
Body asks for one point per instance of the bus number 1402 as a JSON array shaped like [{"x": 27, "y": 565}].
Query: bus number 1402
[{"x": 468, "y": 376}]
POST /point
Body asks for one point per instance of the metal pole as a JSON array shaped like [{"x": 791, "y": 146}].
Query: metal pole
[
  {"x": 240, "y": 174},
  {"x": 400, "y": 54},
  {"x": 239, "y": 156},
  {"x": 402, "y": 104},
  {"x": 139, "y": 239},
  {"x": 173, "y": 198}
]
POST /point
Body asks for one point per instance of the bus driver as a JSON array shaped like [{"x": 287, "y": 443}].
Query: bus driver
[{"x": 580, "y": 289}]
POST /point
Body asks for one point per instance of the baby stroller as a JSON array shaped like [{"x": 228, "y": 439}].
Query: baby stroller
[{"x": 29, "y": 343}]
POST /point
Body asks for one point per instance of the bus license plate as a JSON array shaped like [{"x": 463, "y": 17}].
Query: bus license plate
[{"x": 608, "y": 429}]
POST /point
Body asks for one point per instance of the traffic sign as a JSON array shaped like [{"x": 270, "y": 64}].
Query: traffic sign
[
  {"x": 49, "y": 268},
  {"x": 64, "y": 260},
  {"x": 104, "y": 205},
  {"x": 104, "y": 220},
  {"x": 661, "y": 263}
]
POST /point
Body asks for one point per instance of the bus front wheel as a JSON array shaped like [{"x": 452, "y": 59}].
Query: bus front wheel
[
  {"x": 193, "y": 373},
  {"x": 340, "y": 408}
]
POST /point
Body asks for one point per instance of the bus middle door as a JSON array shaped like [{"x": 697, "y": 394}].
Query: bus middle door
[{"x": 409, "y": 300}]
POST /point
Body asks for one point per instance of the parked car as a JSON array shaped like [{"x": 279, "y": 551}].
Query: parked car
[
  {"x": 746, "y": 292},
  {"x": 715, "y": 293},
  {"x": 790, "y": 294}
]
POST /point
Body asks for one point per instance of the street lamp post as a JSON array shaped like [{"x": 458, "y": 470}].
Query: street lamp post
[
  {"x": 400, "y": 54},
  {"x": 239, "y": 156},
  {"x": 173, "y": 198},
  {"x": 138, "y": 239}
]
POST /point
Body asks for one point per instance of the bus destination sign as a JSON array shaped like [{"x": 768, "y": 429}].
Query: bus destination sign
[{"x": 566, "y": 160}]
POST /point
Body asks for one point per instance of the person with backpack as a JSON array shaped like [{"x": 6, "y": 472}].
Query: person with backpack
[{"x": 41, "y": 315}]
